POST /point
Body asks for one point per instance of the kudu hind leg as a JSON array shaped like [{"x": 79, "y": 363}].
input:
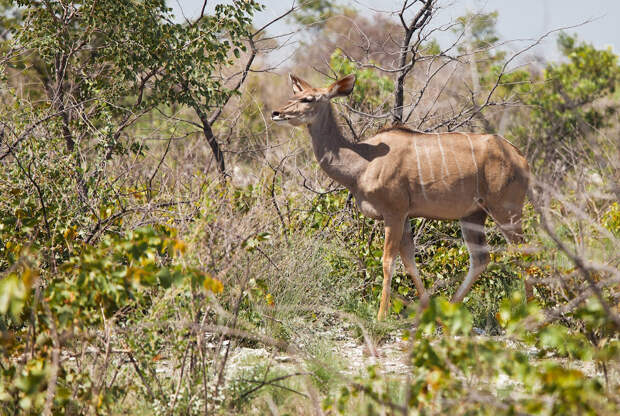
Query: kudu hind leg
[
  {"x": 407, "y": 254},
  {"x": 393, "y": 235},
  {"x": 472, "y": 228},
  {"x": 510, "y": 225}
]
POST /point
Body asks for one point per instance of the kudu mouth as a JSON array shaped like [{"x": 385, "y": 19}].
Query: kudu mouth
[{"x": 277, "y": 116}]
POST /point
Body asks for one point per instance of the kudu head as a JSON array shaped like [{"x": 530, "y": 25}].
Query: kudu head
[{"x": 307, "y": 102}]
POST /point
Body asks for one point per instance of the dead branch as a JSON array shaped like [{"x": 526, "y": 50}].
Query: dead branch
[{"x": 418, "y": 21}]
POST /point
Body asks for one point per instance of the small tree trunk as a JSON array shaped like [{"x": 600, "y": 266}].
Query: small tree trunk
[
  {"x": 56, "y": 97},
  {"x": 420, "y": 19},
  {"x": 215, "y": 147}
]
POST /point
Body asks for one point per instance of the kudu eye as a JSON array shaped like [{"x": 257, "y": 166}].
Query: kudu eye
[{"x": 308, "y": 99}]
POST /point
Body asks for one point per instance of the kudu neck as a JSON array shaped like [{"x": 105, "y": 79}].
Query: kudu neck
[{"x": 340, "y": 158}]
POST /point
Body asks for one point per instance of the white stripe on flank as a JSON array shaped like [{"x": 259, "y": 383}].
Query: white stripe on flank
[
  {"x": 421, "y": 177},
  {"x": 458, "y": 167},
  {"x": 444, "y": 165},
  {"x": 430, "y": 163},
  {"x": 473, "y": 156}
]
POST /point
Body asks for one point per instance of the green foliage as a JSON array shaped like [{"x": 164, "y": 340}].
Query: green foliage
[
  {"x": 192, "y": 54},
  {"x": 10, "y": 16},
  {"x": 141, "y": 43},
  {"x": 27, "y": 223},
  {"x": 589, "y": 74},
  {"x": 371, "y": 91},
  {"x": 14, "y": 292},
  {"x": 450, "y": 371},
  {"x": 112, "y": 274},
  {"x": 481, "y": 36},
  {"x": 611, "y": 219},
  {"x": 563, "y": 109},
  {"x": 314, "y": 13},
  {"x": 481, "y": 27},
  {"x": 92, "y": 78},
  {"x": 96, "y": 283},
  {"x": 137, "y": 322}
]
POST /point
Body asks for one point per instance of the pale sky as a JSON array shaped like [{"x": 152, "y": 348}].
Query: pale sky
[{"x": 518, "y": 19}]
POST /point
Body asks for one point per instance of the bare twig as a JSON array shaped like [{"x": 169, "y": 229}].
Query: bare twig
[
  {"x": 176, "y": 392},
  {"x": 51, "y": 384},
  {"x": 271, "y": 382},
  {"x": 579, "y": 263},
  {"x": 150, "y": 187},
  {"x": 141, "y": 375}
]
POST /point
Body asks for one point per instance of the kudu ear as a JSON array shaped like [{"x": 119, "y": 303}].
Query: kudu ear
[
  {"x": 298, "y": 84},
  {"x": 342, "y": 87}
]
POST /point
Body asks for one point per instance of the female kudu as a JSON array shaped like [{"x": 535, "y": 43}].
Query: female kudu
[{"x": 398, "y": 174}]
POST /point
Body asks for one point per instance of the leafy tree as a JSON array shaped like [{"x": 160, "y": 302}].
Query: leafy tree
[
  {"x": 190, "y": 58},
  {"x": 566, "y": 106},
  {"x": 371, "y": 89},
  {"x": 78, "y": 47},
  {"x": 90, "y": 80},
  {"x": 79, "y": 77},
  {"x": 480, "y": 41},
  {"x": 314, "y": 12},
  {"x": 480, "y": 30},
  {"x": 479, "y": 46}
]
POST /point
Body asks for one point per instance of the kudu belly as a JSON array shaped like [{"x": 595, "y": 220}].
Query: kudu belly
[{"x": 444, "y": 199}]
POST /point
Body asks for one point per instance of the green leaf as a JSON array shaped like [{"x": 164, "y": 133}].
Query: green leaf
[{"x": 13, "y": 295}]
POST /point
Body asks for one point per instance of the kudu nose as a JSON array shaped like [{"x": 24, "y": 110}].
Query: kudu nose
[{"x": 275, "y": 114}]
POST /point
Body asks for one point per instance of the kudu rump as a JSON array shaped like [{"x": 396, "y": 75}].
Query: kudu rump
[{"x": 398, "y": 174}]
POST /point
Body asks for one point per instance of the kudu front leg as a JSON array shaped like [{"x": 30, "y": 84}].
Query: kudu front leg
[{"x": 393, "y": 235}]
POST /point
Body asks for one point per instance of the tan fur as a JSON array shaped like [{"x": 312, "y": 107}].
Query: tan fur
[{"x": 400, "y": 173}]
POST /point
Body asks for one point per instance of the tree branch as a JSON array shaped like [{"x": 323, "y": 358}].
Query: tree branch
[{"x": 419, "y": 20}]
